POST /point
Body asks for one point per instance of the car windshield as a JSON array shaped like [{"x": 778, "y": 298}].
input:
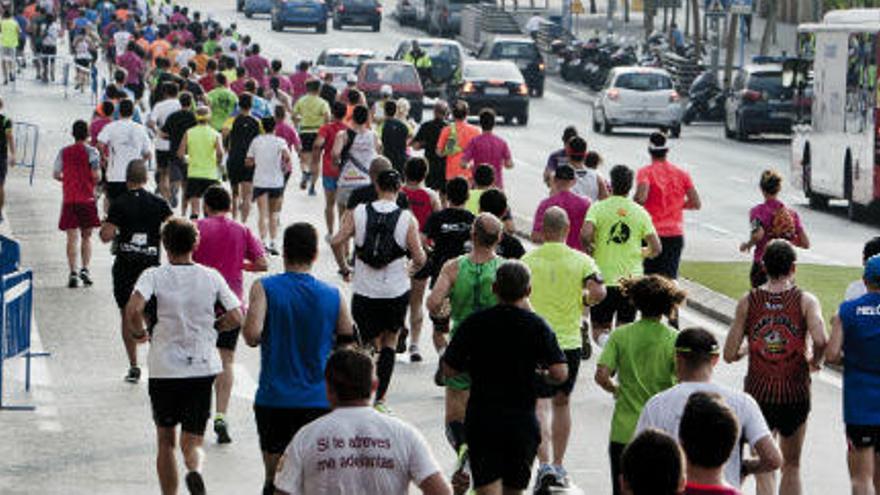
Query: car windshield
[
  {"x": 506, "y": 72},
  {"x": 445, "y": 52},
  {"x": 521, "y": 51},
  {"x": 643, "y": 81},
  {"x": 767, "y": 82},
  {"x": 345, "y": 59},
  {"x": 395, "y": 74}
]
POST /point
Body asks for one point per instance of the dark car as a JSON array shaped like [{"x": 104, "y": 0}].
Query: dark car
[
  {"x": 252, "y": 7},
  {"x": 357, "y": 13},
  {"x": 299, "y": 13},
  {"x": 524, "y": 53},
  {"x": 401, "y": 76},
  {"x": 498, "y": 85},
  {"x": 758, "y": 103}
]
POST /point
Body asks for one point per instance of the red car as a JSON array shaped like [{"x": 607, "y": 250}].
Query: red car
[{"x": 401, "y": 76}]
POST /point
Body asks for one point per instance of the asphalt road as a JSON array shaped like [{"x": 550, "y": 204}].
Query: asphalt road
[{"x": 92, "y": 433}]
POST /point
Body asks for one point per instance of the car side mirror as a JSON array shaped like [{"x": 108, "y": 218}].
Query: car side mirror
[{"x": 389, "y": 57}]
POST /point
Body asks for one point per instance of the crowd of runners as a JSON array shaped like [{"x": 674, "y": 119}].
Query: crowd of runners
[{"x": 420, "y": 224}]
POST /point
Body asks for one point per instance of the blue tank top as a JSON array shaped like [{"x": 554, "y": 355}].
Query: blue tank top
[
  {"x": 298, "y": 336},
  {"x": 861, "y": 360}
]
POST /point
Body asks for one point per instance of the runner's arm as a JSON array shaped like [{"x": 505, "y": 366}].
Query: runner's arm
[
  {"x": 218, "y": 149},
  {"x": 435, "y": 485},
  {"x": 594, "y": 290},
  {"x": 260, "y": 264},
  {"x": 816, "y": 327},
  {"x": 181, "y": 149},
  {"x": 641, "y": 194},
  {"x": 654, "y": 247},
  {"x": 442, "y": 287},
  {"x": 603, "y": 188},
  {"x": 414, "y": 244},
  {"x": 338, "y": 144},
  {"x": 256, "y": 315},
  {"x": 603, "y": 379},
  {"x": 588, "y": 234},
  {"x": 802, "y": 240},
  {"x": 344, "y": 323},
  {"x": 346, "y": 232},
  {"x": 834, "y": 350},
  {"x": 10, "y": 143},
  {"x": 317, "y": 147},
  {"x": 769, "y": 458},
  {"x": 692, "y": 199},
  {"x": 134, "y": 317},
  {"x": 108, "y": 232},
  {"x": 733, "y": 346}
]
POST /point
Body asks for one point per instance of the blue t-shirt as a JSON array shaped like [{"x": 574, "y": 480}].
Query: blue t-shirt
[
  {"x": 298, "y": 337},
  {"x": 861, "y": 360}
]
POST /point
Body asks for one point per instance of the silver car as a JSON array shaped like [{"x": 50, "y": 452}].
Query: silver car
[
  {"x": 341, "y": 62},
  {"x": 637, "y": 97}
]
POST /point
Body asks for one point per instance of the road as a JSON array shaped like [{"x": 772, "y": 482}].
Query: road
[{"x": 93, "y": 433}]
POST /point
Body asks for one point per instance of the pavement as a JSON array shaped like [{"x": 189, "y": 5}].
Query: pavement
[{"x": 92, "y": 433}]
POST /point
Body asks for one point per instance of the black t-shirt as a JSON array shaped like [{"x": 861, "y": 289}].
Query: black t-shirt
[
  {"x": 194, "y": 87},
  {"x": 368, "y": 194},
  {"x": 176, "y": 126},
  {"x": 510, "y": 248},
  {"x": 5, "y": 126},
  {"x": 394, "y": 136},
  {"x": 328, "y": 93},
  {"x": 244, "y": 129},
  {"x": 450, "y": 229},
  {"x": 501, "y": 347},
  {"x": 138, "y": 215},
  {"x": 428, "y": 135}
]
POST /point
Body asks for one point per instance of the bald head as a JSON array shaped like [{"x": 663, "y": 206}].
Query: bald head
[
  {"x": 377, "y": 166},
  {"x": 487, "y": 230},
  {"x": 555, "y": 224},
  {"x": 136, "y": 174}
]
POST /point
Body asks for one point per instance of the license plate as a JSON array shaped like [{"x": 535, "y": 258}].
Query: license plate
[
  {"x": 303, "y": 10},
  {"x": 781, "y": 115},
  {"x": 496, "y": 91}
]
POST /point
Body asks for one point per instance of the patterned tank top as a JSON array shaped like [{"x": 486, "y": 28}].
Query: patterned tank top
[{"x": 777, "y": 334}]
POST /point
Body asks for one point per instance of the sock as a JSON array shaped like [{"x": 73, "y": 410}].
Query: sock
[
  {"x": 219, "y": 417},
  {"x": 455, "y": 434},
  {"x": 384, "y": 369}
]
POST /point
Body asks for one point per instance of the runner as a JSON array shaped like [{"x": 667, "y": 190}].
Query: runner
[
  {"x": 174, "y": 129},
  {"x": 323, "y": 151},
  {"x": 124, "y": 141},
  {"x": 613, "y": 233},
  {"x": 202, "y": 150},
  {"x": 565, "y": 281},
  {"x": 378, "y": 114},
  {"x": 287, "y": 132},
  {"x": 269, "y": 156},
  {"x": 403, "y": 454},
  {"x": 133, "y": 222},
  {"x": 589, "y": 183},
  {"x": 558, "y": 157},
  {"x": 708, "y": 434},
  {"x": 229, "y": 247},
  {"x": 483, "y": 179},
  {"x": 353, "y": 154},
  {"x": 501, "y": 428},
  {"x": 771, "y": 220},
  {"x": 426, "y": 138},
  {"x": 776, "y": 318},
  {"x": 857, "y": 288},
  {"x": 853, "y": 344},
  {"x": 244, "y": 129},
  {"x": 7, "y": 148},
  {"x": 384, "y": 234},
  {"x": 170, "y": 103},
  {"x": 294, "y": 318},
  {"x": 696, "y": 355},
  {"x": 310, "y": 112},
  {"x": 394, "y": 135},
  {"x": 299, "y": 78},
  {"x": 652, "y": 464},
  {"x": 77, "y": 168},
  {"x": 494, "y": 201},
  {"x": 488, "y": 148},
  {"x": 642, "y": 357},
  {"x": 183, "y": 360},
  {"x": 574, "y": 205},
  {"x": 9, "y": 34},
  {"x": 454, "y": 139},
  {"x": 222, "y": 101}
]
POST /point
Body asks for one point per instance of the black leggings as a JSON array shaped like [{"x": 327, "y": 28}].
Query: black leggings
[{"x": 615, "y": 452}]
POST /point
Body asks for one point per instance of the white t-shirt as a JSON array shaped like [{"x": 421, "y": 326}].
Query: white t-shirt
[
  {"x": 266, "y": 150},
  {"x": 392, "y": 280},
  {"x": 855, "y": 290},
  {"x": 184, "y": 341},
  {"x": 50, "y": 37},
  {"x": 534, "y": 23},
  {"x": 586, "y": 183},
  {"x": 355, "y": 450},
  {"x": 127, "y": 141},
  {"x": 355, "y": 171},
  {"x": 120, "y": 41},
  {"x": 665, "y": 409},
  {"x": 184, "y": 56},
  {"x": 158, "y": 115}
]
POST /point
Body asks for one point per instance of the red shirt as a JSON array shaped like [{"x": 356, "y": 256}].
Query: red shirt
[
  {"x": 208, "y": 82},
  {"x": 695, "y": 489},
  {"x": 328, "y": 133},
  {"x": 419, "y": 204},
  {"x": 667, "y": 189},
  {"x": 76, "y": 163}
]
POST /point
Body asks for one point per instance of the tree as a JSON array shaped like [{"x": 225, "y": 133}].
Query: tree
[
  {"x": 698, "y": 39},
  {"x": 648, "y": 18},
  {"x": 730, "y": 43},
  {"x": 769, "y": 27}
]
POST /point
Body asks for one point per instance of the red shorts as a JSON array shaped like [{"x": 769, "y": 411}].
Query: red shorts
[{"x": 79, "y": 216}]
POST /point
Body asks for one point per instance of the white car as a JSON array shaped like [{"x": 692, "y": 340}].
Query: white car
[
  {"x": 341, "y": 62},
  {"x": 637, "y": 97}
]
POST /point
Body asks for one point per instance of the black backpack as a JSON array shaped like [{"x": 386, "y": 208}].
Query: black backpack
[{"x": 380, "y": 248}]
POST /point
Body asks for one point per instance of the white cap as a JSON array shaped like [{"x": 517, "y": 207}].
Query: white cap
[
  {"x": 351, "y": 78},
  {"x": 386, "y": 90}
]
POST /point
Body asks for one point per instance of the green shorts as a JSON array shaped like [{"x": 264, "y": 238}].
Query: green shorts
[{"x": 459, "y": 382}]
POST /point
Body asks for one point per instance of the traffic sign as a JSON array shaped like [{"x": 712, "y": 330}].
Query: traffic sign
[
  {"x": 742, "y": 7},
  {"x": 577, "y": 7},
  {"x": 668, "y": 4}
]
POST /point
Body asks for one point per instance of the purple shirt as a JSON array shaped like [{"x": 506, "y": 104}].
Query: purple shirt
[
  {"x": 298, "y": 83},
  {"x": 133, "y": 66},
  {"x": 491, "y": 149},
  {"x": 778, "y": 222},
  {"x": 256, "y": 67},
  {"x": 557, "y": 158},
  {"x": 224, "y": 245},
  {"x": 575, "y": 206}
]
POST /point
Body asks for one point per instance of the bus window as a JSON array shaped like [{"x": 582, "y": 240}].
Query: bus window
[{"x": 860, "y": 79}]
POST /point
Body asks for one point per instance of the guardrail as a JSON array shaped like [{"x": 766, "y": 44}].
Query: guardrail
[{"x": 27, "y": 138}]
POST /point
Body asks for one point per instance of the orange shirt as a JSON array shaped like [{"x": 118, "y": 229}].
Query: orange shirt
[
  {"x": 122, "y": 14},
  {"x": 144, "y": 44},
  {"x": 465, "y": 132},
  {"x": 159, "y": 48},
  {"x": 201, "y": 61}
]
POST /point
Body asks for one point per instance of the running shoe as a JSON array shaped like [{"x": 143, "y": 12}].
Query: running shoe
[
  {"x": 194, "y": 483},
  {"x": 312, "y": 190},
  {"x": 561, "y": 476},
  {"x": 586, "y": 346},
  {"x": 134, "y": 375},
  {"x": 545, "y": 479},
  {"x": 382, "y": 408},
  {"x": 222, "y": 431},
  {"x": 86, "y": 277},
  {"x": 414, "y": 355},
  {"x": 72, "y": 281},
  {"x": 305, "y": 180},
  {"x": 401, "y": 340}
]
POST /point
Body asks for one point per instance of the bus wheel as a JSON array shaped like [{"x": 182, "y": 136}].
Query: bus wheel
[{"x": 854, "y": 211}]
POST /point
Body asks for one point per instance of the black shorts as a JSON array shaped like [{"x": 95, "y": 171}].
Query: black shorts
[
  {"x": 239, "y": 174},
  {"x": 502, "y": 447},
  {"x": 785, "y": 418},
  {"x": 137, "y": 89},
  {"x": 115, "y": 189},
  {"x": 183, "y": 401},
  {"x": 436, "y": 179},
  {"x": 667, "y": 262},
  {"x": 195, "y": 188},
  {"x": 4, "y": 167},
  {"x": 308, "y": 140},
  {"x": 163, "y": 159},
  {"x": 603, "y": 313},
  {"x": 273, "y": 192},
  {"x": 863, "y": 436},
  {"x": 276, "y": 426},
  {"x": 228, "y": 340},
  {"x": 125, "y": 276},
  {"x": 374, "y": 316},
  {"x": 49, "y": 50},
  {"x": 85, "y": 63},
  {"x": 547, "y": 391}
]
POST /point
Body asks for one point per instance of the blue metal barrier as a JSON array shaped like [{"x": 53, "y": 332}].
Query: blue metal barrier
[{"x": 27, "y": 138}]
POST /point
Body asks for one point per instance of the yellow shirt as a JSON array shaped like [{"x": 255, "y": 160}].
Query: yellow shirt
[{"x": 9, "y": 33}]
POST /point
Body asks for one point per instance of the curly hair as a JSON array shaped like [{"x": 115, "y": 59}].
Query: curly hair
[{"x": 653, "y": 295}]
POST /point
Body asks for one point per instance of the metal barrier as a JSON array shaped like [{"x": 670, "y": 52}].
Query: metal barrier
[{"x": 27, "y": 138}]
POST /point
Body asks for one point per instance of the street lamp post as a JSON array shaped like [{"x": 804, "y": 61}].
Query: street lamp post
[{"x": 715, "y": 14}]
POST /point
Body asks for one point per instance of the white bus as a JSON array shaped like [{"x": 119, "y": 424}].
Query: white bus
[{"x": 834, "y": 147}]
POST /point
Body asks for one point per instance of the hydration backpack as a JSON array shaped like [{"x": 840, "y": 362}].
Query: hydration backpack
[{"x": 380, "y": 248}]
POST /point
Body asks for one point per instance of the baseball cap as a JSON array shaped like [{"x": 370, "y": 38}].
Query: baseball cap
[
  {"x": 698, "y": 341},
  {"x": 872, "y": 270},
  {"x": 564, "y": 172}
]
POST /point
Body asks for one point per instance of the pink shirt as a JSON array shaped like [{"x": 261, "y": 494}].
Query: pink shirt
[
  {"x": 286, "y": 132},
  {"x": 133, "y": 65},
  {"x": 298, "y": 83},
  {"x": 224, "y": 245},
  {"x": 491, "y": 149},
  {"x": 256, "y": 66},
  {"x": 575, "y": 206},
  {"x": 778, "y": 222},
  {"x": 283, "y": 82}
]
